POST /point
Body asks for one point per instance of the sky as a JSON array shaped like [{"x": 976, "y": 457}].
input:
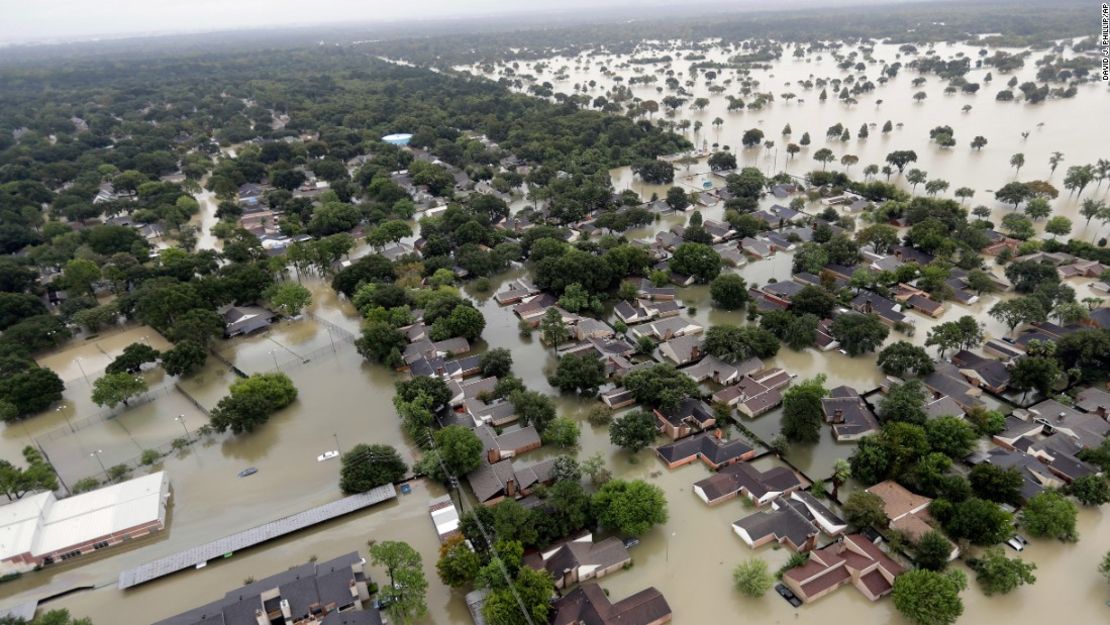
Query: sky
[{"x": 43, "y": 20}]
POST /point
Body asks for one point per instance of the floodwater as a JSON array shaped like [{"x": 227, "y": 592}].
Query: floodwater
[
  {"x": 689, "y": 558},
  {"x": 1069, "y": 126}
]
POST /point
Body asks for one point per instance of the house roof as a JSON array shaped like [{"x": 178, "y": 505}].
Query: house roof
[
  {"x": 688, "y": 409},
  {"x": 579, "y": 552},
  {"x": 897, "y": 501},
  {"x": 744, "y": 476},
  {"x": 992, "y": 372},
  {"x": 1093, "y": 399},
  {"x": 589, "y": 605},
  {"x": 706, "y": 445}
]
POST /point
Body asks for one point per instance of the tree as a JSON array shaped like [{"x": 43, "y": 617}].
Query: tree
[
  {"x": 368, "y": 466},
  {"x": 27, "y": 391},
  {"x": 932, "y": 551},
  {"x": 580, "y": 373},
  {"x": 80, "y": 274},
  {"x": 553, "y": 331},
  {"x": 405, "y": 594},
  {"x": 288, "y": 298},
  {"x": 1050, "y": 514},
  {"x": 198, "y": 325},
  {"x": 900, "y": 158},
  {"x": 185, "y": 358},
  {"x": 251, "y": 401},
  {"x": 113, "y": 389},
  {"x": 458, "y": 565},
  {"x": 497, "y": 362},
  {"x": 752, "y": 578},
  {"x": 633, "y": 431},
  {"x": 1018, "y": 226},
  {"x": 734, "y": 344},
  {"x": 562, "y": 432},
  {"x": 1058, "y": 226},
  {"x": 1104, "y": 567},
  {"x": 811, "y": 257},
  {"x": 802, "y": 414},
  {"x": 903, "y": 358},
  {"x": 980, "y": 521},
  {"x": 864, "y": 509},
  {"x": 15, "y": 307},
  {"x": 998, "y": 574},
  {"x": 997, "y": 484},
  {"x": 720, "y": 161},
  {"x": 813, "y": 300},
  {"x": 729, "y": 291},
  {"x": 978, "y": 142},
  {"x": 752, "y": 137},
  {"x": 904, "y": 402},
  {"x": 133, "y": 357},
  {"x": 824, "y": 156},
  {"x": 915, "y": 177},
  {"x": 1019, "y": 310},
  {"x": 1034, "y": 372},
  {"x": 1013, "y": 193},
  {"x": 457, "y": 451},
  {"x": 881, "y": 237},
  {"x": 1077, "y": 178},
  {"x": 533, "y": 408},
  {"x": 951, "y": 436},
  {"x": 677, "y": 199},
  {"x": 381, "y": 342},
  {"x": 697, "y": 260},
  {"x": 52, "y": 617},
  {"x": 1090, "y": 490},
  {"x": 859, "y": 333},
  {"x": 1017, "y": 161},
  {"x": 15, "y": 482},
  {"x": 660, "y": 385},
  {"x": 630, "y": 507},
  {"x": 919, "y": 96},
  {"x": 464, "y": 321},
  {"x": 1037, "y": 208},
  {"x": 655, "y": 172},
  {"x": 929, "y": 598}
]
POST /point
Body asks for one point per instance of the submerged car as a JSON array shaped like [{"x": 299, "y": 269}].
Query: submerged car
[
  {"x": 327, "y": 455},
  {"x": 248, "y": 472}
]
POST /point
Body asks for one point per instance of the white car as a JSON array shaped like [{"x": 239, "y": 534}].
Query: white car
[
  {"x": 327, "y": 455},
  {"x": 1015, "y": 544}
]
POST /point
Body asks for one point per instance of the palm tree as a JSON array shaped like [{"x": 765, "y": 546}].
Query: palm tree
[
  {"x": 1016, "y": 161},
  {"x": 717, "y": 123},
  {"x": 1054, "y": 162},
  {"x": 1102, "y": 169}
]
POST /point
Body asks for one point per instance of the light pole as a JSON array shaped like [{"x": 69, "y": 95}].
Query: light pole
[
  {"x": 82, "y": 368},
  {"x": 337, "y": 447},
  {"x": 181, "y": 419},
  {"x": 673, "y": 534},
  {"x": 96, "y": 454},
  {"x": 66, "y": 417}
]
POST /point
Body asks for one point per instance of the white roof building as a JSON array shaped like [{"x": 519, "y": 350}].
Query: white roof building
[{"x": 41, "y": 529}]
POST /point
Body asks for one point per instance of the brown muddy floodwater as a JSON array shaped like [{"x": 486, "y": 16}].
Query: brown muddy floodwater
[{"x": 689, "y": 558}]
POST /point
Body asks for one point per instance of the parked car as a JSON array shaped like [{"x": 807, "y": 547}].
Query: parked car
[
  {"x": 788, "y": 594},
  {"x": 631, "y": 542},
  {"x": 327, "y": 455},
  {"x": 1016, "y": 544},
  {"x": 248, "y": 472}
]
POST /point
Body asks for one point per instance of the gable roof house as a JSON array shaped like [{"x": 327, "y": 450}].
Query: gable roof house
[
  {"x": 243, "y": 320},
  {"x": 918, "y": 300},
  {"x": 906, "y": 511},
  {"x": 947, "y": 381},
  {"x": 1094, "y": 400},
  {"x": 647, "y": 290},
  {"x": 1035, "y": 476},
  {"x": 850, "y": 417},
  {"x": 688, "y": 417},
  {"x": 707, "y": 447},
  {"x": 755, "y": 393},
  {"x": 853, "y": 560},
  {"x": 589, "y": 605},
  {"x": 756, "y": 247},
  {"x": 534, "y": 307},
  {"x": 682, "y": 350},
  {"x": 508, "y": 444},
  {"x": 464, "y": 390},
  {"x": 721, "y": 372},
  {"x": 742, "y": 478},
  {"x": 667, "y": 329},
  {"x": 516, "y": 291},
  {"x": 794, "y": 521},
  {"x": 580, "y": 559},
  {"x": 1085, "y": 429},
  {"x": 982, "y": 372},
  {"x": 491, "y": 483},
  {"x": 888, "y": 311}
]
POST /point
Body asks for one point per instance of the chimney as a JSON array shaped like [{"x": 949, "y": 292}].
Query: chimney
[
  {"x": 261, "y": 618},
  {"x": 1060, "y": 417},
  {"x": 493, "y": 455},
  {"x": 838, "y": 415},
  {"x": 510, "y": 488},
  {"x": 717, "y": 433}
]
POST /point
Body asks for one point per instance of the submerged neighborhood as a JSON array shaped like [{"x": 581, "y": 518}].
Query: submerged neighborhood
[{"x": 535, "y": 328}]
